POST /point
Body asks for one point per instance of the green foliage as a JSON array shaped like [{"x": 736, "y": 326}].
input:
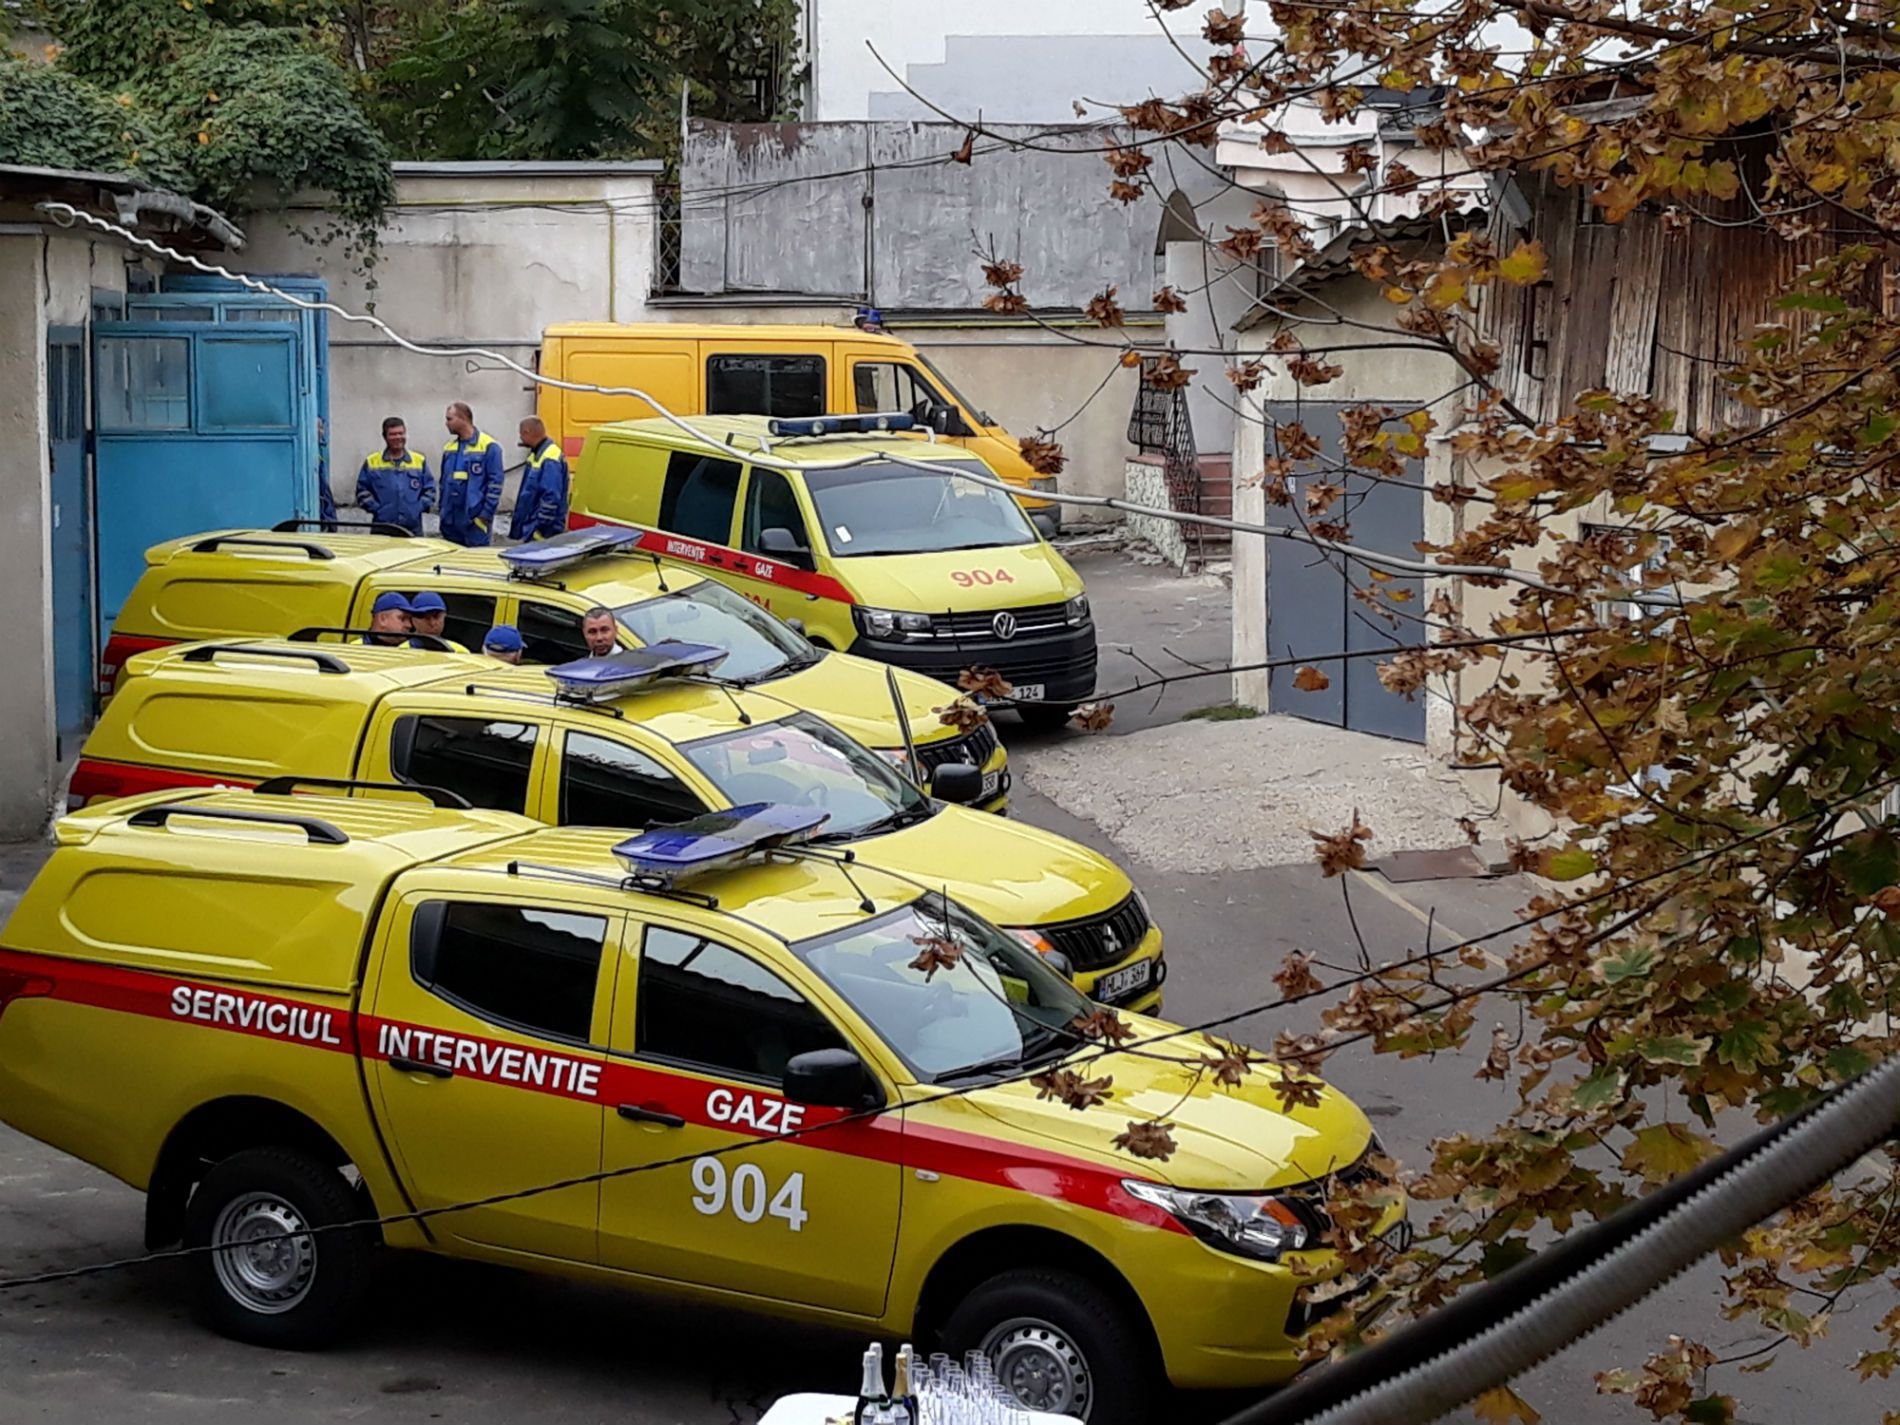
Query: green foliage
[
  {"x": 50, "y": 119},
  {"x": 1221, "y": 712},
  {"x": 573, "y": 79},
  {"x": 234, "y": 103}
]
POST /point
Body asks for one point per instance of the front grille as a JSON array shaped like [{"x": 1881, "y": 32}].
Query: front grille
[
  {"x": 1309, "y": 1201},
  {"x": 976, "y": 747},
  {"x": 1036, "y": 618},
  {"x": 939, "y": 663},
  {"x": 1100, "y": 940}
]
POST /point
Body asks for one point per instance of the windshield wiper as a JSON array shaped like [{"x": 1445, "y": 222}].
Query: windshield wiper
[
  {"x": 896, "y": 821},
  {"x": 1027, "y": 1058}
]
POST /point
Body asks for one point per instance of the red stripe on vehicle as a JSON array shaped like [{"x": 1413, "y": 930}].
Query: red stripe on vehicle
[
  {"x": 103, "y": 778},
  {"x": 119, "y": 648},
  {"x": 587, "y": 1075},
  {"x": 733, "y": 561}
]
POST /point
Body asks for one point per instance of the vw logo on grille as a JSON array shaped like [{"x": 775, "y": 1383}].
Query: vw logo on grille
[{"x": 1004, "y": 624}]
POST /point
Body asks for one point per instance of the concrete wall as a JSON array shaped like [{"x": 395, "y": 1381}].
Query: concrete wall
[
  {"x": 1016, "y": 61},
  {"x": 871, "y": 211},
  {"x": 1219, "y": 292},
  {"x": 27, "y": 768},
  {"x": 1402, "y": 377},
  {"x": 1024, "y": 376},
  {"x": 1146, "y": 480},
  {"x": 473, "y": 254}
]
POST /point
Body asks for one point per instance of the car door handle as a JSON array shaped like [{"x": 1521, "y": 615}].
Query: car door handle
[
  {"x": 419, "y": 1066},
  {"x": 633, "y": 1113}
]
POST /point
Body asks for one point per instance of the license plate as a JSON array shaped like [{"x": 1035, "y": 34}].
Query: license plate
[
  {"x": 991, "y": 782},
  {"x": 1127, "y": 981},
  {"x": 1031, "y": 691}
]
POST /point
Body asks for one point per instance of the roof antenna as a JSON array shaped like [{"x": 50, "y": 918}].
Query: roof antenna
[
  {"x": 660, "y": 569},
  {"x": 745, "y": 718},
  {"x": 843, "y": 857},
  {"x": 903, "y": 725},
  {"x": 843, "y": 863}
]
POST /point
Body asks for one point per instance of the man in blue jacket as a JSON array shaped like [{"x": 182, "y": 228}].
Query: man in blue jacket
[
  {"x": 541, "y": 502},
  {"x": 471, "y": 479},
  {"x": 394, "y": 485}
]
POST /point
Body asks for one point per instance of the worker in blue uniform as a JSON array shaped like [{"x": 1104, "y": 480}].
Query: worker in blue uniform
[
  {"x": 394, "y": 486},
  {"x": 471, "y": 479},
  {"x": 541, "y": 502}
]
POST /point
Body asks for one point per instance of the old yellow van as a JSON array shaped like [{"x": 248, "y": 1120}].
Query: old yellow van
[{"x": 768, "y": 371}]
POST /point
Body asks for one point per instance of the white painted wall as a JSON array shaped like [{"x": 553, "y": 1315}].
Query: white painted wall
[
  {"x": 473, "y": 254},
  {"x": 978, "y": 54}
]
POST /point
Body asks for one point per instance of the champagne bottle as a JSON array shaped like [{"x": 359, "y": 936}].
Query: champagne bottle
[
  {"x": 870, "y": 1386},
  {"x": 902, "y": 1396}
]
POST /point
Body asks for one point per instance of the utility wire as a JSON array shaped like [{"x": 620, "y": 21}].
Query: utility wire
[{"x": 65, "y": 214}]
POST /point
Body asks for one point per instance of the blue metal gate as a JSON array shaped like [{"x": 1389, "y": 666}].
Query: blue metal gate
[
  {"x": 207, "y": 413},
  {"x": 1310, "y": 604},
  {"x": 71, "y": 534}
]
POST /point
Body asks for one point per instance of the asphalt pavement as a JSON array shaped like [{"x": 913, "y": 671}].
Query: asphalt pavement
[{"x": 455, "y": 1342}]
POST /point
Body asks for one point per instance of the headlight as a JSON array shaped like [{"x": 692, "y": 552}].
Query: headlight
[
  {"x": 1250, "y": 1224},
  {"x": 1043, "y": 484},
  {"x": 1077, "y": 610},
  {"x": 897, "y": 757},
  {"x": 883, "y": 623}
]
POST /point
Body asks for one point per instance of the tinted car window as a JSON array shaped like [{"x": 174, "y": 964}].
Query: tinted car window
[
  {"x": 607, "y": 783},
  {"x": 535, "y": 969},
  {"x": 770, "y": 504},
  {"x": 549, "y": 634},
  {"x": 698, "y": 497},
  {"x": 487, "y": 762},
  {"x": 765, "y": 385},
  {"x": 707, "y": 1006},
  {"x": 470, "y": 618}
]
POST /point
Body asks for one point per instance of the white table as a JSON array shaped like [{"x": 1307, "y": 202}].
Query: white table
[{"x": 815, "y": 1409}]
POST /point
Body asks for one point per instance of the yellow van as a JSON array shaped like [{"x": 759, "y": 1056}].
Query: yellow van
[
  {"x": 929, "y": 572},
  {"x": 707, "y": 1064},
  {"x": 768, "y": 371},
  {"x": 630, "y": 740},
  {"x": 277, "y": 582}
]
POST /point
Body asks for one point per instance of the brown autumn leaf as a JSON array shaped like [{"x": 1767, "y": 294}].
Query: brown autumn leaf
[
  {"x": 1151, "y": 1139},
  {"x": 1295, "y": 977},
  {"x": 1093, "y": 717},
  {"x": 1224, "y": 29},
  {"x": 1273, "y": 141},
  {"x": 1296, "y": 1090},
  {"x": 1342, "y": 851},
  {"x": 965, "y": 150},
  {"x": 1104, "y": 310},
  {"x": 1497, "y": 1060},
  {"x": 1045, "y": 457},
  {"x": 1247, "y": 376},
  {"x": 984, "y": 681},
  {"x": 1122, "y": 191},
  {"x": 1309, "y": 679},
  {"x": 1169, "y": 300},
  {"x": 963, "y": 714},
  {"x": 1128, "y": 162},
  {"x": 1102, "y": 1025},
  {"x": 1886, "y": 900},
  {"x": 1006, "y": 304},
  {"x": 1504, "y": 1406},
  {"x": 1310, "y": 371},
  {"x": 934, "y": 953},
  {"x": 1070, "y": 1088},
  {"x": 1230, "y": 1063},
  {"x": 1470, "y": 829},
  {"x": 1000, "y": 272},
  {"x": 1130, "y": 358},
  {"x": 1358, "y": 158}
]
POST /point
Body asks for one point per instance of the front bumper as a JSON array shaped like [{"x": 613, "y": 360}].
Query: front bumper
[
  {"x": 1146, "y": 1000},
  {"x": 1063, "y": 662}
]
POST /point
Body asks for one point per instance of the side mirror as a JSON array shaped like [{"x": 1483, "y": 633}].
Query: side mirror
[
  {"x": 948, "y": 420},
  {"x": 783, "y": 543},
  {"x": 829, "y": 1078},
  {"x": 796, "y": 625},
  {"x": 957, "y": 782}
]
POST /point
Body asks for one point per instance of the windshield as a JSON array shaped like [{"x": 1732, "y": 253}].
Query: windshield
[
  {"x": 758, "y": 645},
  {"x": 809, "y": 763},
  {"x": 956, "y": 395},
  {"x": 884, "y": 509},
  {"x": 996, "y": 1008}
]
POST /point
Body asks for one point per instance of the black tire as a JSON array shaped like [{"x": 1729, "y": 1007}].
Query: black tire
[
  {"x": 1042, "y": 717},
  {"x": 326, "y": 1276},
  {"x": 1121, "y": 1376}
]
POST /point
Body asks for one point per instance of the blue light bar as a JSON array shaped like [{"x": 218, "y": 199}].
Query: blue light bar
[
  {"x": 596, "y": 680},
  {"x": 548, "y": 556},
  {"x": 716, "y": 841},
  {"x": 842, "y": 425}
]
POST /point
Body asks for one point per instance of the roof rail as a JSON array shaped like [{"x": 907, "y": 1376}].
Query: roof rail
[
  {"x": 301, "y": 546},
  {"x": 394, "y": 531},
  {"x": 869, "y": 423},
  {"x": 615, "y": 883},
  {"x": 316, "y": 831},
  {"x": 440, "y": 571},
  {"x": 314, "y": 634},
  {"x": 440, "y": 796},
  {"x": 326, "y": 662},
  {"x": 549, "y": 700}
]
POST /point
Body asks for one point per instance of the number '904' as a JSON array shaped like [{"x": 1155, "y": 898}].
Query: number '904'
[
  {"x": 965, "y": 578},
  {"x": 744, "y": 1194}
]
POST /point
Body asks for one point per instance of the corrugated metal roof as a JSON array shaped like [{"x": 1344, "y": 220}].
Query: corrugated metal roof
[{"x": 1335, "y": 259}]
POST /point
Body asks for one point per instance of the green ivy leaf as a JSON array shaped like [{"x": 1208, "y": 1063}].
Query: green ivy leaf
[
  {"x": 1673, "y": 1049},
  {"x": 1600, "y": 1090},
  {"x": 1634, "y": 963}
]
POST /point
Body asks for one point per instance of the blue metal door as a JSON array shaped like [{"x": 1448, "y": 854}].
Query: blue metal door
[
  {"x": 1321, "y": 603},
  {"x": 71, "y": 534},
  {"x": 200, "y": 425}
]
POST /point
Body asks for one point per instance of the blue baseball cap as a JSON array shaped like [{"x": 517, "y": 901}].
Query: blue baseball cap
[
  {"x": 503, "y": 638},
  {"x": 392, "y": 602},
  {"x": 428, "y": 602}
]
